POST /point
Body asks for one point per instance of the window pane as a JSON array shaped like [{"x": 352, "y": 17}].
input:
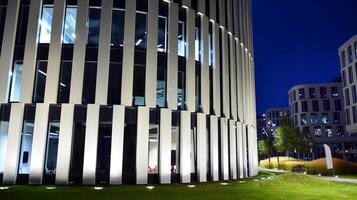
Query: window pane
[
  {"x": 181, "y": 39},
  {"x": 325, "y": 118},
  {"x": 162, "y": 35},
  {"x": 65, "y": 81},
  {"x": 26, "y": 148},
  {"x": 314, "y": 119},
  {"x": 16, "y": 81},
  {"x": 4, "y": 128},
  {"x": 197, "y": 44},
  {"x": 46, "y": 24},
  {"x": 140, "y": 30},
  {"x": 118, "y": 28},
  {"x": 40, "y": 83},
  {"x": 69, "y": 32},
  {"x": 175, "y": 149},
  {"x": 93, "y": 25},
  {"x": 153, "y": 149},
  {"x": 90, "y": 77},
  {"x": 52, "y": 147}
]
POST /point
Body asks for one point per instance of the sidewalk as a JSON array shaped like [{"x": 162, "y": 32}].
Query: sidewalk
[
  {"x": 272, "y": 170},
  {"x": 344, "y": 180}
]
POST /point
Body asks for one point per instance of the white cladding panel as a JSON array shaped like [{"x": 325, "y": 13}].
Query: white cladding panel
[
  {"x": 39, "y": 143},
  {"x": 7, "y": 48},
  {"x": 30, "y": 54},
  {"x": 65, "y": 144},
  {"x": 224, "y": 149},
  {"x": 90, "y": 144},
  {"x": 202, "y": 147},
  {"x": 165, "y": 146},
  {"x": 142, "y": 145},
  {"x": 185, "y": 146},
  {"x": 13, "y": 143},
  {"x": 101, "y": 94},
  {"x": 79, "y": 52},
  {"x": 54, "y": 53},
  {"x": 117, "y": 146}
]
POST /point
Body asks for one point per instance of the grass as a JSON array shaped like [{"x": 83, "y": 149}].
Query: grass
[{"x": 278, "y": 186}]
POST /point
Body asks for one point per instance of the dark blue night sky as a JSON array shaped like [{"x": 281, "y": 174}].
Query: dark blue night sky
[{"x": 296, "y": 41}]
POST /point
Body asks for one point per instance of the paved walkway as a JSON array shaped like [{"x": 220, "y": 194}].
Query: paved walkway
[
  {"x": 272, "y": 170},
  {"x": 344, "y": 180}
]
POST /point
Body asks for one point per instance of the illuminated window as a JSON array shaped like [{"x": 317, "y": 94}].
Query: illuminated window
[
  {"x": 52, "y": 147},
  {"x": 140, "y": 30},
  {"x": 69, "y": 32},
  {"x": 181, "y": 39},
  {"x": 16, "y": 81},
  {"x": 317, "y": 131},
  {"x": 313, "y": 118},
  {"x": 26, "y": 148},
  {"x": 325, "y": 118},
  {"x": 328, "y": 131},
  {"x": 4, "y": 128},
  {"x": 303, "y": 119},
  {"x": 46, "y": 24},
  {"x": 162, "y": 35}
]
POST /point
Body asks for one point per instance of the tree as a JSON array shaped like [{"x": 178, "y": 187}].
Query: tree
[
  {"x": 304, "y": 143},
  {"x": 265, "y": 147},
  {"x": 290, "y": 139}
]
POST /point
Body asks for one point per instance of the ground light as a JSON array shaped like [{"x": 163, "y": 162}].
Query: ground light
[
  {"x": 50, "y": 188},
  {"x": 191, "y": 186},
  {"x": 336, "y": 176},
  {"x": 4, "y": 188},
  {"x": 224, "y": 184},
  {"x": 150, "y": 187},
  {"x": 98, "y": 188}
]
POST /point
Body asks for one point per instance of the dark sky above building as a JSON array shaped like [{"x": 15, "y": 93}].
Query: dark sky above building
[{"x": 297, "y": 41}]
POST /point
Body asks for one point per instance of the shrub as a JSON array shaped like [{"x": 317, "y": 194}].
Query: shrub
[{"x": 298, "y": 168}]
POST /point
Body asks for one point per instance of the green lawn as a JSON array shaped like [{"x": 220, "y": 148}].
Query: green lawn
[{"x": 279, "y": 186}]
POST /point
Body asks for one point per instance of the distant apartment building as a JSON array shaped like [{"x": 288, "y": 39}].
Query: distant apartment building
[
  {"x": 318, "y": 109},
  {"x": 274, "y": 116},
  {"x": 270, "y": 120},
  {"x": 348, "y": 61}
]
